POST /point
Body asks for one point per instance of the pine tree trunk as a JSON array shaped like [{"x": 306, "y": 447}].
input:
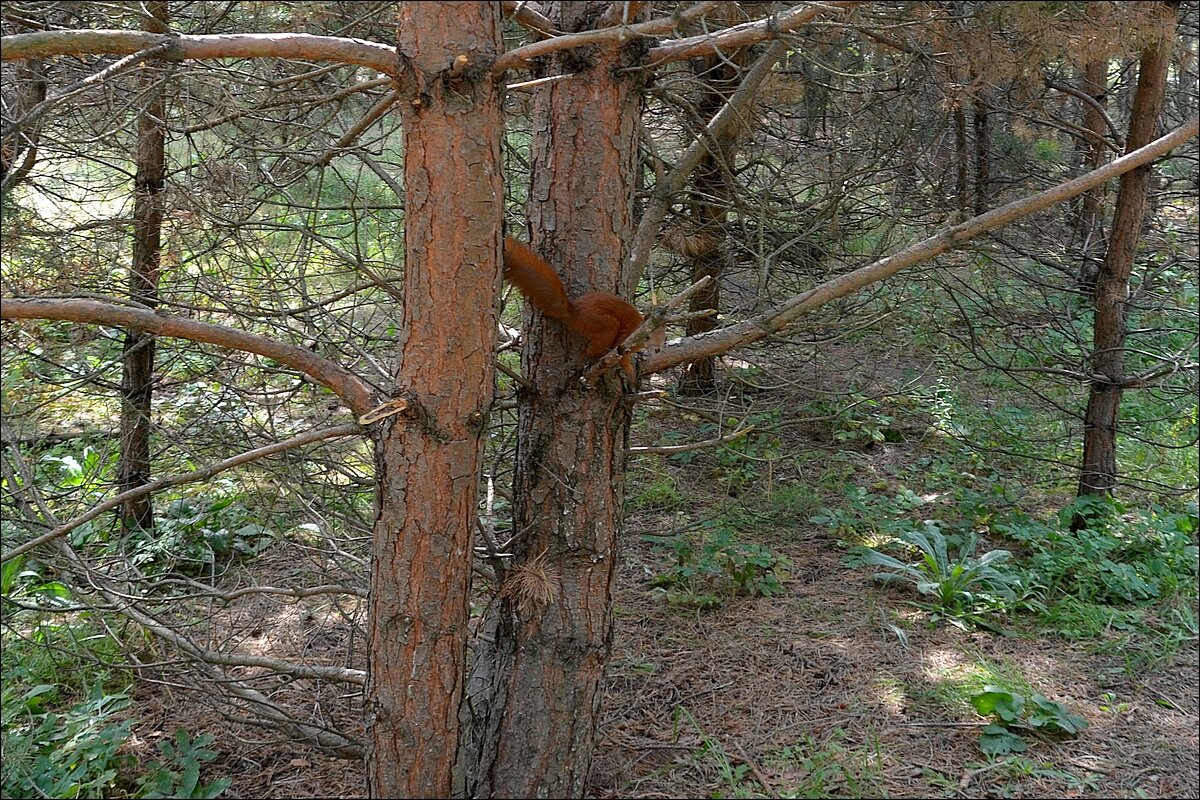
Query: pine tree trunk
[
  {"x": 718, "y": 78},
  {"x": 137, "y": 363},
  {"x": 428, "y": 454},
  {"x": 1089, "y": 224},
  {"x": 983, "y": 153},
  {"x": 1098, "y": 475},
  {"x": 534, "y": 694}
]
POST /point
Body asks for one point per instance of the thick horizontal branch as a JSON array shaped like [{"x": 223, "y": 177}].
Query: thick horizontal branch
[
  {"x": 780, "y": 316},
  {"x": 299, "y": 46},
  {"x": 345, "y": 384},
  {"x": 676, "y": 49},
  {"x": 383, "y": 58},
  {"x": 528, "y": 18},
  {"x": 36, "y": 113}
]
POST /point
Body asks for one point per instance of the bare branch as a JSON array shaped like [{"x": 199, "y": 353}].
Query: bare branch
[
  {"x": 1118, "y": 139},
  {"x": 206, "y": 662},
  {"x": 38, "y": 111},
  {"x": 176, "y": 480},
  {"x": 300, "y": 46},
  {"x": 779, "y": 316},
  {"x": 744, "y": 34},
  {"x": 312, "y": 591},
  {"x": 520, "y": 58},
  {"x": 684, "y": 448},
  {"x": 346, "y": 385},
  {"x": 356, "y": 130},
  {"x": 731, "y": 114},
  {"x": 528, "y": 18},
  {"x": 620, "y": 12}
]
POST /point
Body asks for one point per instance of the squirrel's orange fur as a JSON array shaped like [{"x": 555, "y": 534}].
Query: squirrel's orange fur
[{"x": 604, "y": 320}]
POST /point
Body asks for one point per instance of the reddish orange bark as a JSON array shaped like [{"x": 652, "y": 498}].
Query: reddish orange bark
[{"x": 428, "y": 459}]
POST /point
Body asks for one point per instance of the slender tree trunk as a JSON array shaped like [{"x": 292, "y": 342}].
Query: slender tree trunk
[
  {"x": 961, "y": 159},
  {"x": 137, "y": 367},
  {"x": 534, "y": 693},
  {"x": 1098, "y": 475},
  {"x": 18, "y": 157},
  {"x": 718, "y": 77},
  {"x": 1089, "y": 224},
  {"x": 428, "y": 454},
  {"x": 983, "y": 152}
]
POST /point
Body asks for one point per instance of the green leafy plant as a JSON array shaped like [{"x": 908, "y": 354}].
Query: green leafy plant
[
  {"x": 67, "y": 652},
  {"x": 79, "y": 751},
  {"x": 72, "y": 753},
  {"x": 178, "y": 773},
  {"x": 87, "y": 472},
  {"x": 868, "y": 513},
  {"x": 960, "y": 585},
  {"x": 1118, "y": 558},
  {"x": 659, "y": 491},
  {"x": 713, "y": 564},
  {"x": 858, "y": 418},
  {"x": 19, "y": 580},
  {"x": 740, "y": 462},
  {"x": 864, "y": 421},
  {"x": 193, "y": 536},
  {"x": 1009, "y": 709}
]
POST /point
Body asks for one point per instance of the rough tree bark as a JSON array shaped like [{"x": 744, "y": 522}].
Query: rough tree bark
[
  {"x": 534, "y": 692},
  {"x": 137, "y": 365},
  {"x": 1098, "y": 474},
  {"x": 428, "y": 455}
]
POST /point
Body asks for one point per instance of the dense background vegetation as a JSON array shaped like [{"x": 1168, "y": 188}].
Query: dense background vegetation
[{"x": 928, "y": 430}]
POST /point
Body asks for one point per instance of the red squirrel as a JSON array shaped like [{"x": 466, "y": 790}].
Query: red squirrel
[{"x": 604, "y": 320}]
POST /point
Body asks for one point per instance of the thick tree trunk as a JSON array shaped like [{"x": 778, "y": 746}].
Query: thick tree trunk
[
  {"x": 428, "y": 455},
  {"x": 137, "y": 366},
  {"x": 534, "y": 692},
  {"x": 1098, "y": 475}
]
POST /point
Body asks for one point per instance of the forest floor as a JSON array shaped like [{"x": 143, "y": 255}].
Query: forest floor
[
  {"x": 811, "y": 694},
  {"x": 805, "y": 694},
  {"x": 835, "y": 687}
]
